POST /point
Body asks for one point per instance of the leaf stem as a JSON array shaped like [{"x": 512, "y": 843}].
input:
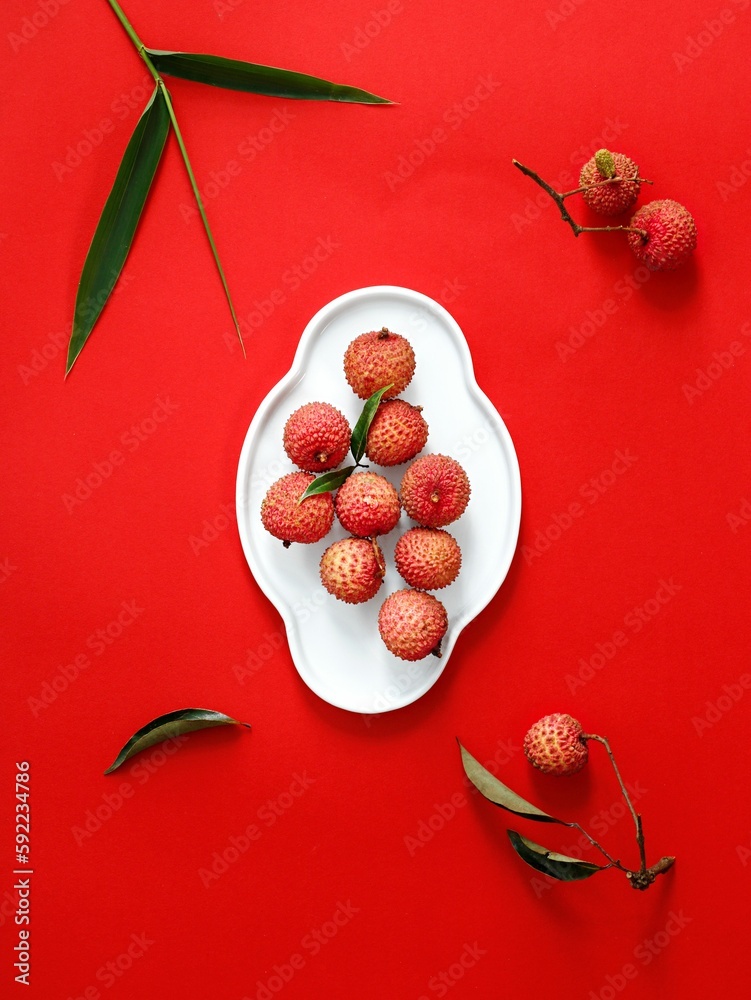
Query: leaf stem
[
  {"x": 141, "y": 49},
  {"x": 636, "y": 818}
]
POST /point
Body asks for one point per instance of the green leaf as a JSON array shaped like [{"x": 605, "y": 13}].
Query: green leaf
[
  {"x": 559, "y": 866},
  {"x": 233, "y": 74},
  {"x": 117, "y": 224},
  {"x": 328, "y": 482},
  {"x": 501, "y": 795},
  {"x": 185, "y": 720},
  {"x": 359, "y": 438}
]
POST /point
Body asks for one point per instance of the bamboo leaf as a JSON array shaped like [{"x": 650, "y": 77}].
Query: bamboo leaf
[
  {"x": 233, "y": 74},
  {"x": 501, "y": 795},
  {"x": 328, "y": 482},
  {"x": 359, "y": 439},
  {"x": 560, "y": 866},
  {"x": 118, "y": 222},
  {"x": 185, "y": 720}
]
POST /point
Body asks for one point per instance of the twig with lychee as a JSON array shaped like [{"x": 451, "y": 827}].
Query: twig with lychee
[
  {"x": 662, "y": 233},
  {"x": 557, "y": 745}
]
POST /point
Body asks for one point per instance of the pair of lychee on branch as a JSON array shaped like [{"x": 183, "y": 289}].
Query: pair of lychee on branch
[
  {"x": 557, "y": 745},
  {"x": 662, "y": 233}
]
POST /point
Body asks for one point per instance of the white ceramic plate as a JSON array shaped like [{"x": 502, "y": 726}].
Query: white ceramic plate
[{"x": 336, "y": 647}]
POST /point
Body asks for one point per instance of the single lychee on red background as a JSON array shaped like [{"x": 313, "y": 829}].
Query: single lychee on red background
[
  {"x": 611, "y": 182},
  {"x": 668, "y": 236},
  {"x": 554, "y": 745}
]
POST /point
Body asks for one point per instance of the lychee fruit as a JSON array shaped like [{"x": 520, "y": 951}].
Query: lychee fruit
[
  {"x": 367, "y": 505},
  {"x": 412, "y": 624},
  {"x": 397, "y": 433},
  {"x": 435, "y": 490},
  {"x": 376, "y": 359},
  {"x": 669, "y": 235},
  {"x": 286, "y": 518},
  {"x": 317, "y": 437},
  {"x": 613, "y": 197},
  {"x": 555, "y": 745},
  {"x": 352, "y": 569},
  {"x": 428, "y": 558}
]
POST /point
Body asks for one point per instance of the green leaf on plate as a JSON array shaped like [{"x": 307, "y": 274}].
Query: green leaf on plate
[
  {"x": 559, "y": 866},
  {"x": 501, "y": 795},
  {"x": 185, "y": 720},
  {"x": 118, "y": 222},
  {"x": 328, "y": 482},
  {"x": 233, "y": 74},
  {"x": 359, "y": 438}
]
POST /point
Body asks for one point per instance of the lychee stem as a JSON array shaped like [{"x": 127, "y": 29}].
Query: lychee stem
[
  {"x": 606, "y": 180},
  {"x": 558, "y": 199}
]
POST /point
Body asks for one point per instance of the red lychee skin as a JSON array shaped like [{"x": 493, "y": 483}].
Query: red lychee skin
[
  {"x": 397, "y": 433},
  {"x": 367, "y": 505},
  {"x": 671, "y": 235},
  {"x": 435, "y": 490},
  {"x": 317, "y": 437},
  {"x": 352, "y": 569},
  {"x": 428, "y": 558},
  {"x": 554, "y": 745},
  {"x": 286, "y": 518},
  {"x": 616, "y": 196},
  {"x": 412, "y": 624},
  {"x": 376, "y": 359}
]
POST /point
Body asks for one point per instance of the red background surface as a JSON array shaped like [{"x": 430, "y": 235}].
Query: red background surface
[{"x": 459, "y": 915}]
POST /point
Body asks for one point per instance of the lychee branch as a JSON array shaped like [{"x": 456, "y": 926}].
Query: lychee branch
[
  {"x": 645, "y": 876},
  {"x": 558, "y": 198}
]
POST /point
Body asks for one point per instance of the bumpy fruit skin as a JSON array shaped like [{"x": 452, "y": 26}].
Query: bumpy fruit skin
[
  {"x": 428, "y": 558},
  {"x": 317, "y": 437},
  {"x": 367, "y": 505},
  {"x": 435, "y": 490},
  {"x": 615, "y": 197},
  {"x": 352, "y": 569},
  {"x": 554, "y": 745},
  {"x": 412, "y": 624},
  {"x": 397, "y": 433},
  {"x": 671, "y": 235},
  {"x": 291, "y": 521},
  {"x": 376, "y": 359}
]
